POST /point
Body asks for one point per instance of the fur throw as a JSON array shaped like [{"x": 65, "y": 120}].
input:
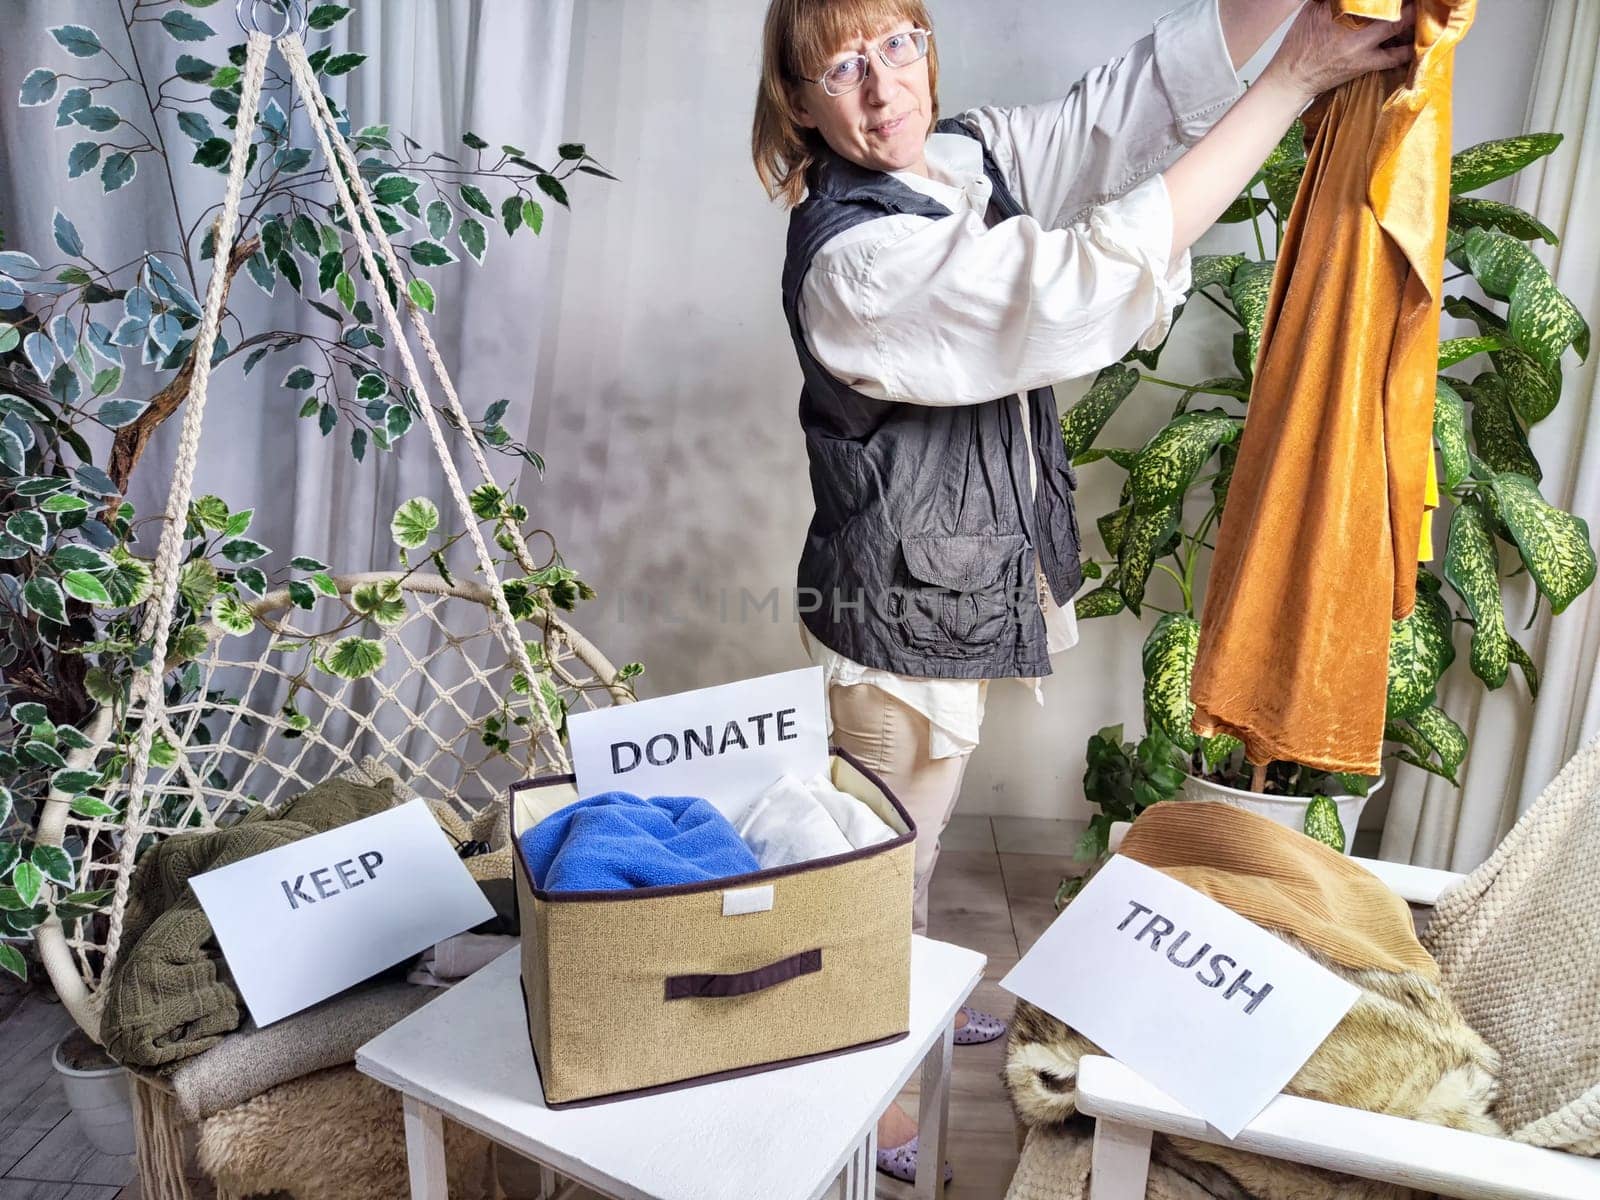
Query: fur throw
[
  {"x": 330, "y": 1135},
  {"x": 1402, "y": 1050}
]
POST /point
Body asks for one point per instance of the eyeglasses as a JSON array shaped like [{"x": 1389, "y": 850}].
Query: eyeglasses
[{"x": 896, "y": 50}]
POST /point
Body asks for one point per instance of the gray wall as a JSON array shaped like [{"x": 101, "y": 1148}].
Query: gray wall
[{"x": 665, "y": 404}]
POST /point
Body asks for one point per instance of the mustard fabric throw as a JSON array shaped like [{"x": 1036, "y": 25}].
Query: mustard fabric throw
[
  {"x": 1318, "y": 545},
  {"x": 1281, "y": 880}
]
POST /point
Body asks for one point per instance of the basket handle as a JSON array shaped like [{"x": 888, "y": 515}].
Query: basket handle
[{"x": 685, "y": 987}]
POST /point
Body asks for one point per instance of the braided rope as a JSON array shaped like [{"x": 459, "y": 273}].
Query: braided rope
[
  {"x": 147, "y": 692},
  {"x": 358, "y": 208}
]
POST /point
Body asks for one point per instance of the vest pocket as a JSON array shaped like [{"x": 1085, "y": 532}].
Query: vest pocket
[{"x": 959, "y": 592}]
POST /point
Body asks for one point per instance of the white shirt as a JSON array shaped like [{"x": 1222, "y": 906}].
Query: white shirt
[{"x": 950, "y": 311}]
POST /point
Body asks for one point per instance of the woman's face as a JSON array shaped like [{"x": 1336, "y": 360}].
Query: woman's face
[{"x": 881, "y": 125}]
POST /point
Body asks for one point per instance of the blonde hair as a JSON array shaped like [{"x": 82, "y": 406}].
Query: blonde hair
[{"x": 799, "y": 39}]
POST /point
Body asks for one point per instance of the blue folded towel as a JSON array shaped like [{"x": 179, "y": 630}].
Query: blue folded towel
[{"x": 616, "y": 840}]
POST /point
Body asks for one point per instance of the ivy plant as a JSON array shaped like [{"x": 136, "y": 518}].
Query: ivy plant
[
  {"x": 98, "y": 353},
  {"x": 1504, "y": 538}
]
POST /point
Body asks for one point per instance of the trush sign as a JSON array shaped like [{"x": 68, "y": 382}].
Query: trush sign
[{"x": 1211, "y": 1008}]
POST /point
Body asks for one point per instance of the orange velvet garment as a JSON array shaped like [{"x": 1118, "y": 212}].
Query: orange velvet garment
[{"x": 1317, "y": 550}]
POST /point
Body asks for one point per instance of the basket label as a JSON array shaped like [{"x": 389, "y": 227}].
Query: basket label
[{"x": 739, "y": 901}]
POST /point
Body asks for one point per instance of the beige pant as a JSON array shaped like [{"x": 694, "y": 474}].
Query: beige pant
[{"x": 892, "y": 740}]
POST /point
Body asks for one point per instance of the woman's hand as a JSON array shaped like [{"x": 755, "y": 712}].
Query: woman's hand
[{"x": 1318, "y": 54}]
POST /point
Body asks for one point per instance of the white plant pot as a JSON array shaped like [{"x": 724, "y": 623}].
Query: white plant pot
[
  {"x": 101, "y": 1101},
  {"x": 1289, "y": 811}
]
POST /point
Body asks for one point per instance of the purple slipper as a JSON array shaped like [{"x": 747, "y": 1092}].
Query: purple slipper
[
  {"x": 901, "y": 1163},
  {"x": 980, "y": 1027}
]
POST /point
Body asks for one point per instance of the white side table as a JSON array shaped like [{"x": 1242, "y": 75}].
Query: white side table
[{"x": 788, "y": 1134}]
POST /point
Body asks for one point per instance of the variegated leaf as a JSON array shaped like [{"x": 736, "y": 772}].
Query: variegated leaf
[
  {"x": 1169, "y": 654},
  {"x": 1472, "y": 566},
  {"x": 1541, "y": 320},
  {"x": 1173, "y": 457},
  {"x": 1454, "y": 350},
  {"x": 1450, "y": 432},
  {"x": 1242, "y": 209},
  {"x": 1148, "y": 533},
  {"x": 1231, "y": 384},
  {"x": 1400, "y": 731},
  {"x": 1554, "y": 544},
  {"x": 1114, "y": 528},
  {"x": 1214, "y": 751},
  {"x": 1446, "y": 738},
  {"x": 1251, "y": 288},
  {"x": 1471, "y": 212},
  {"x": 1530, "y": 672},
  {"x": 1290, "y": 150},
  {"x": 1534, "y": 389},
  {"x": 1210, "y": 270},
  {"x": 1283, "y": 184},
  {"x": 1228, "y": 458},
  {"x": 1480, "y": 165},
  {"x": 1103, "y": 601},
  {"x": 1497, "y": 436},
  {"x": 1120, "y": 455},
  {"x": 1420, "y": 651},
  {"x": 1082, "y": 423}
]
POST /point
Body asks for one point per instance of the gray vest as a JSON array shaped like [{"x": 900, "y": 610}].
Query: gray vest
[{"x": 920, "y": 556}]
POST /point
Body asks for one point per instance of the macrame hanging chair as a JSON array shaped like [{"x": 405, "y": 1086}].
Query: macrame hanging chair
[{"x": 232, "y": 744}]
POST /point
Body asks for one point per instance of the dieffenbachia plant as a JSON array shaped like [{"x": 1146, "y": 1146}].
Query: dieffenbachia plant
[
  {"x": 77, "y": 331},
  {"x": 1492, "y": 386}
]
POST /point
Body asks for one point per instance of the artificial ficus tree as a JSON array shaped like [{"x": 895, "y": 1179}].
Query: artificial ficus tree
[{"x": 93, "y": 352}]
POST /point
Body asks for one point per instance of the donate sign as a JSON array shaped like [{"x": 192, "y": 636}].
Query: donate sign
[
  {"x": 725, "y": 744},
  {"x": 1211, "y": 1008}
]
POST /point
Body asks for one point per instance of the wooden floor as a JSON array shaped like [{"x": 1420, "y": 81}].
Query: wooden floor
[{"x": 993, "y": 891}]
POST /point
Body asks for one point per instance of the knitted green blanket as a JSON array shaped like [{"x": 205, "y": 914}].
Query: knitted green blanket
[{"x": 169, "y": 996}]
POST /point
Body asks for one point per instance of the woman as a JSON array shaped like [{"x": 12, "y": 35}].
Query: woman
[{"x": 939, "y": 277}]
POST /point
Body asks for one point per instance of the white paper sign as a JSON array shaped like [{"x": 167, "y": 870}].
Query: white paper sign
[
  {"x": 726, "y": 744},
  {"x": 1210, "y": 1008},
  {"x": 305, "y": 921}
]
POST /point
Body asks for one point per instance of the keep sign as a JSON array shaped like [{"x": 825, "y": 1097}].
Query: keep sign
[
  {"x": 725, "y": 744},
  {"x": 1212, "y": 1009},
  {"x": 305, "y": 921}
]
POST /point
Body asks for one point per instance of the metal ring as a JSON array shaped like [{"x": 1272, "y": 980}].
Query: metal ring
[{"x": 294, "y": 14}]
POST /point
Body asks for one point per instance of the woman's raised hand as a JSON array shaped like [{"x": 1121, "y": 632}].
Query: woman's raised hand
[{"x": 1318, "y": 53}]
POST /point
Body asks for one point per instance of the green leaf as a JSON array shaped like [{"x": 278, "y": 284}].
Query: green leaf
[
  {"x": 185, "y": 27},
  {"x": 129, "y": 582},
  {"x": 28, "y": 881},
  {"x": 1103, "y": 601},
  {"x": 1245, "y": 208},
  {"x": 384, "y": 603},
  {"x": 392, "y": 189},
  {"x": 1554, "y": 544},
  {"x": 473, "y": 197},
  {"x": 371, "y": 385},
  {"x": 472, "y": 237},
  {"x": 413, "y": 521},
  {"x": 343, "y": 64},
  {"x": 1498, "y": 438},
  {"x": 355, "y": 657},
  {"x": 81, "y": 585},
  {"x": 114, "y": 414},
  {"x": 1466, "y": 213},
  {"x": 1167, "y": 465},
  {"x": 1082, "y": 423},
  {"x": 1212, "y": 270},
  {"x": 77, "y": 40},
  {"x": 1169, "y": 655},
  {"x": 90, "y": 806},
  {"x": 53, "y": 863},
  {"x": 1450, "y": 431},
  {"x": 11, "y": 959},
  {"x": 1480, "y": 165},
  {"x": 431, "y": 254},
  {"x": 1250, "y": 289},
  {"x": 1322, "y": 823},
  {"x": 1456, "y": 350},
  {"x": 301, "y": 594},
  {"x": 326, "y": 16},
  {"x": 197, "y": 583},
  {"x": 533, "y": 216},
  {"x": 213, "y": 152},
  {"x": 232, "y": 615},
  {"x": 63, "y": 502},
  {"x": 324, "y": 583},
  {"x": 551, "y": 186},
  {"x": 209, "y": 512},
  {"x": 82, "y": 158},
  {"x": 1530, "y": 672},
  {"x": 28, "y": 528},
  {"x": 1420, "y": 651},
  {"x": 1541, "y": 320},
  {"x": 421, "y": 293},
  {"x": 243, "y": 550},
  {"x": 44, "y": 597},
  {"x": 1472, "y": 567},
  {"x": 1444, "y": 736},
  {"x": 38, "y": 87}
]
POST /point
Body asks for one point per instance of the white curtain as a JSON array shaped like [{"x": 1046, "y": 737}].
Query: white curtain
[
  {"x": 1517, "y": 748},
  {"x": 434, "y": 68}
]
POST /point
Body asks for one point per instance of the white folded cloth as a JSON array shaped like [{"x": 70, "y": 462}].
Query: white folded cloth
[
  {"x": 795, "y": 822},
  {"x": 453, "y": 959}
]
